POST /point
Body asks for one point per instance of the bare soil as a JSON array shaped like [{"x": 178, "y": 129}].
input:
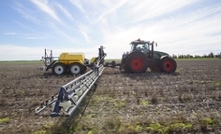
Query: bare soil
[{"x": 187, "y": 101}]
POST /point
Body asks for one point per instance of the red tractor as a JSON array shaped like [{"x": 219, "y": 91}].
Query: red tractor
[{"x": 143, "y": 56}]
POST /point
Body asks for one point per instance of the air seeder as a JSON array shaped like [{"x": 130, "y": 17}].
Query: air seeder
[
  {"x": 141, "y": 57},
  {"x": 72, "y": 94},
  {"x": 69, "y": 62}
]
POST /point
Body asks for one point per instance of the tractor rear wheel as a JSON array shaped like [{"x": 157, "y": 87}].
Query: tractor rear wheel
[
  {"x": 59, "y": 68},
  {"x": 168, "y": 65},
  {"x": 136, "y": 63},
  {"x": 75, "y": 68}
]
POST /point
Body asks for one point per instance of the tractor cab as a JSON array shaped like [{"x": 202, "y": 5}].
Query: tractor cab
[
  {"x": 146, "y": 47},
  {"x": 140, "y": 46}
]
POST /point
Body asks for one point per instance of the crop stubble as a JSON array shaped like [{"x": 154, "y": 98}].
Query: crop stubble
[{"x": 186, "y": 101}]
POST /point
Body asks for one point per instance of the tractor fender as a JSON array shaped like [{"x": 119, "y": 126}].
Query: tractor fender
[
  {"x": 156, "y": 56},
  {"x": 136, "y": 52},
  {"x": 165, "y": 56}
]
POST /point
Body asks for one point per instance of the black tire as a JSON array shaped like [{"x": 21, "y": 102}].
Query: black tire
[
  {"x": 113, "y": 64},
  {"x": 168, "y": 65},
  {"x": 136, "y": 63},
  {"x": 154, "y": 65},
  {"x": 122, "y": 64},
  {"x": 126, "y": 68},
  {"x": 59, "y": 68},
  {"x": 84, "y": 68},
  {"x": 75, "y": 68}
]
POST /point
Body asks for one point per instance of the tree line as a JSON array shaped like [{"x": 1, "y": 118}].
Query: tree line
[{"x": 210, "y": 55}]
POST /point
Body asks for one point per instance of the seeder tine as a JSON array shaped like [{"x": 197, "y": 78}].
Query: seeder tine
[
  {"x": 42, "y": 104},
  {"x": 46, "y": 102},
  {"x": 36, "y": 109}
]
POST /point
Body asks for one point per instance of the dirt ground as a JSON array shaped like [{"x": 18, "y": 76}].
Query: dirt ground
[{"x": 187, "y": 101}]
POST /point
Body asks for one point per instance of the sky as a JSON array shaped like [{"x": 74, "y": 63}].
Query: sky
[{"x": 27, "y": 27}]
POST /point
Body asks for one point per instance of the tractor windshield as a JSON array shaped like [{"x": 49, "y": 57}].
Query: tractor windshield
[{"x": 142, "y": 47}]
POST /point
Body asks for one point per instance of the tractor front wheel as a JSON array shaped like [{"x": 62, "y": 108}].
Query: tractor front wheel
[
  {"x": 59, "y": 68},
  {"x": 75, "y": 68},
  {"x": 168, "y": 65},
  {"x": 136, "y": 63}
]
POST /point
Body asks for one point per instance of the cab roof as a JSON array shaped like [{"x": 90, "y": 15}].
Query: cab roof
[{"x": 139, "y": 42}]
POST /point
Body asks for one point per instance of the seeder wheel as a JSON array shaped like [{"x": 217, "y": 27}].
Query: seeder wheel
[
  {"x": 59, "y": 68},
  {"x": 75, "y": 68}
]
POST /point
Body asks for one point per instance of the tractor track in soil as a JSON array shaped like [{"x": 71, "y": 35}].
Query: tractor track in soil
[{"x": 120, "y": 101}]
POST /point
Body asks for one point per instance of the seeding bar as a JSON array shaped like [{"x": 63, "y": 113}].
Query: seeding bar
[{"x": 72, "y": 93}]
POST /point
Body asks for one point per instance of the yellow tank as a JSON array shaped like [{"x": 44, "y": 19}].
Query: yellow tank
[
  {"x": 93, "y": 60},
  {"x": 68, "y": 58}
]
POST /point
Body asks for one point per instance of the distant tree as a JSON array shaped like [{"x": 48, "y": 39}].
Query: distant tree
[
  {"x": 197, "y": 56},
  {"x": 211, "y": 55},
  {"x": 189, "y": 56},
  {"x": 180, "y": 56},
  {"x": 218, "y": 55},
  {"x": 174, "y": 56},
  {"x": 204, "y": 56}
]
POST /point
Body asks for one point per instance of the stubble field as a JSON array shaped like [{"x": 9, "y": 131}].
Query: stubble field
[{"x": 188, "y": 101}]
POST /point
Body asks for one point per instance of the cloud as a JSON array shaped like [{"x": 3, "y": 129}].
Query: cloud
[
  {"x": 33, "y": 38},
  {"x": 26, "y": 14},
  {"x": 79, "y": 5},
  {"x": 65, "y": 11},
  {"x": 15, "y": 52},
  {"x": 84, "y": 31},
  {"x": 10, "y": 33},
  {"x": 179, "y": 27},
  {"x": 62, "y": 34},
  {"x": 43, "y": 5},
  {"x": 152, "y": 8},
  {"x": 46, "y": 26},
  {"x": 114, "y": 7},
  {"x": 191, "y": 32}
]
